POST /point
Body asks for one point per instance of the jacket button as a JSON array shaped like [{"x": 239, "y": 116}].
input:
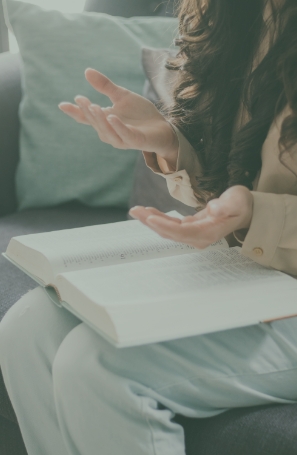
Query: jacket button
[
  {"x": 258, "y": 251},
  {"x": 178, "y": 178}
]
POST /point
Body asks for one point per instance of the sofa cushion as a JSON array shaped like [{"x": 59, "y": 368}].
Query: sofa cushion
[
  {"x": 60, "y": 160},
  {"x": 13, "y": 282},
  {"x": 259, "y": 430},
  {"x": 11, "y": 442}
]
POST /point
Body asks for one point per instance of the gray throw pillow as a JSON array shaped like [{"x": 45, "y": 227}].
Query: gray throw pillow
[{"x": 150, "y": 189}]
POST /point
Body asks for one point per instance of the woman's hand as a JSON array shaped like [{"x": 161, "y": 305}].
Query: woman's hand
[
  {"x": 231, "y": 211},
  {"x": 132, "y": 122}
]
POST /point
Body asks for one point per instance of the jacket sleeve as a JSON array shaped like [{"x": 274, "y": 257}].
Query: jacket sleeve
[
  {"x": 181, "y": 180},
  {"x": 272, "y": 237}
]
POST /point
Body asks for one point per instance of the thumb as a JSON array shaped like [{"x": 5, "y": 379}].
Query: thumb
[
  {"x": 218, "y": 208},
  {"x": 104, "y": 85}
]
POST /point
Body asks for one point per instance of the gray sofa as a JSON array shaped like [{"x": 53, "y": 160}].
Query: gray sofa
[{"x": 267, "y": 430}]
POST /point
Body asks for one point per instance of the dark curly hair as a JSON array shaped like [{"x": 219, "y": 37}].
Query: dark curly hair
[{"x": 217, "y": 43}]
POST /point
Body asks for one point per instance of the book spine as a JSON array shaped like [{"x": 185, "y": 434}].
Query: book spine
[{"x": 54, "y": 294}]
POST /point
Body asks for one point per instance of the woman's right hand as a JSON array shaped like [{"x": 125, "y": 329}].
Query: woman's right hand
[{"x": 132, "y": 122}]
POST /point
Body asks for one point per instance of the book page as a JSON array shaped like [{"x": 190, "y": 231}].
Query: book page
[
  {"x": 97, "y": 246},
  {"x": 168, "y": 278},
  {"x": 175, "y": 297}
]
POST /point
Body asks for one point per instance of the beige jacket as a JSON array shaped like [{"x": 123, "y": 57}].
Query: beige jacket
[{"x": 272, "y": 237}]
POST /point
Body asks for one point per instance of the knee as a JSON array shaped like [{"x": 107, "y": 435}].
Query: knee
[
  {"x": 77, "y": 359},
  {"x": 81, "y": 374},
  {"x": 17, "y": 314},
  {"x": 24, "y": 324}
]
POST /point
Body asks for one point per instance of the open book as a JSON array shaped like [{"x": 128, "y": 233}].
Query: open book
[{"x": 133, "y": 287}]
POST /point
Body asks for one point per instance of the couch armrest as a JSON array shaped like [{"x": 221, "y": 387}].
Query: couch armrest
[{"x": 10, "y": 96}]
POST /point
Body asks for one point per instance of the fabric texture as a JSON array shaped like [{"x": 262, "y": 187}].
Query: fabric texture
[
  {"x": 84, "y": 390},
  {"x": 60, "y": 160}
]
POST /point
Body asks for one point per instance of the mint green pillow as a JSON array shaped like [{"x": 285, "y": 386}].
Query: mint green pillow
[{"x": 61, "y": 160}]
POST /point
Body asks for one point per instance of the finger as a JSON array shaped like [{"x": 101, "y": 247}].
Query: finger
[
  {"x": 74, "y": 112},
  {"x": 110, "y": 134},
  {"x": 82, "y": 101},
  {"x": 104, "y": 85},
  {"x": 105, "y": 130},
  {"x": 154, "y": 211},
  {"x": 130, "y": 135},
  {"x": 142, "y": 213},
  {"x": 84, "y": 104}
]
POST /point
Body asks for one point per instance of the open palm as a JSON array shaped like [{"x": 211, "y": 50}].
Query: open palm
[
  {"x": 231, "y": 211},
  {"x": 132, "y": 122}
]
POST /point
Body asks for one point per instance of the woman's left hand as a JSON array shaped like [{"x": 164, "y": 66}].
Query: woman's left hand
[{"x": 231, "y": 211}]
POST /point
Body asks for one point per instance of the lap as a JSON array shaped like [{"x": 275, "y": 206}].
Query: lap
[
  {"x": 198, "y": 376},
  {"x": 259, "y": 360}
]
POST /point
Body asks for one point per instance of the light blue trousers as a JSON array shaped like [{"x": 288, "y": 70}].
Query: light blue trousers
[{"x": 74, "y": 394}]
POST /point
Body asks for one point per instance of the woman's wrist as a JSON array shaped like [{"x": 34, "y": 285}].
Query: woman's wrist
[
  {"x": 170, "y": 153},
  {"x": 247, "y": 215},
  {"x": 241, "y": 232}
]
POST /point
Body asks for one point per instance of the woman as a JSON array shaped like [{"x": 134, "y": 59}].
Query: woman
[{"x": 226, "y": 147}]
